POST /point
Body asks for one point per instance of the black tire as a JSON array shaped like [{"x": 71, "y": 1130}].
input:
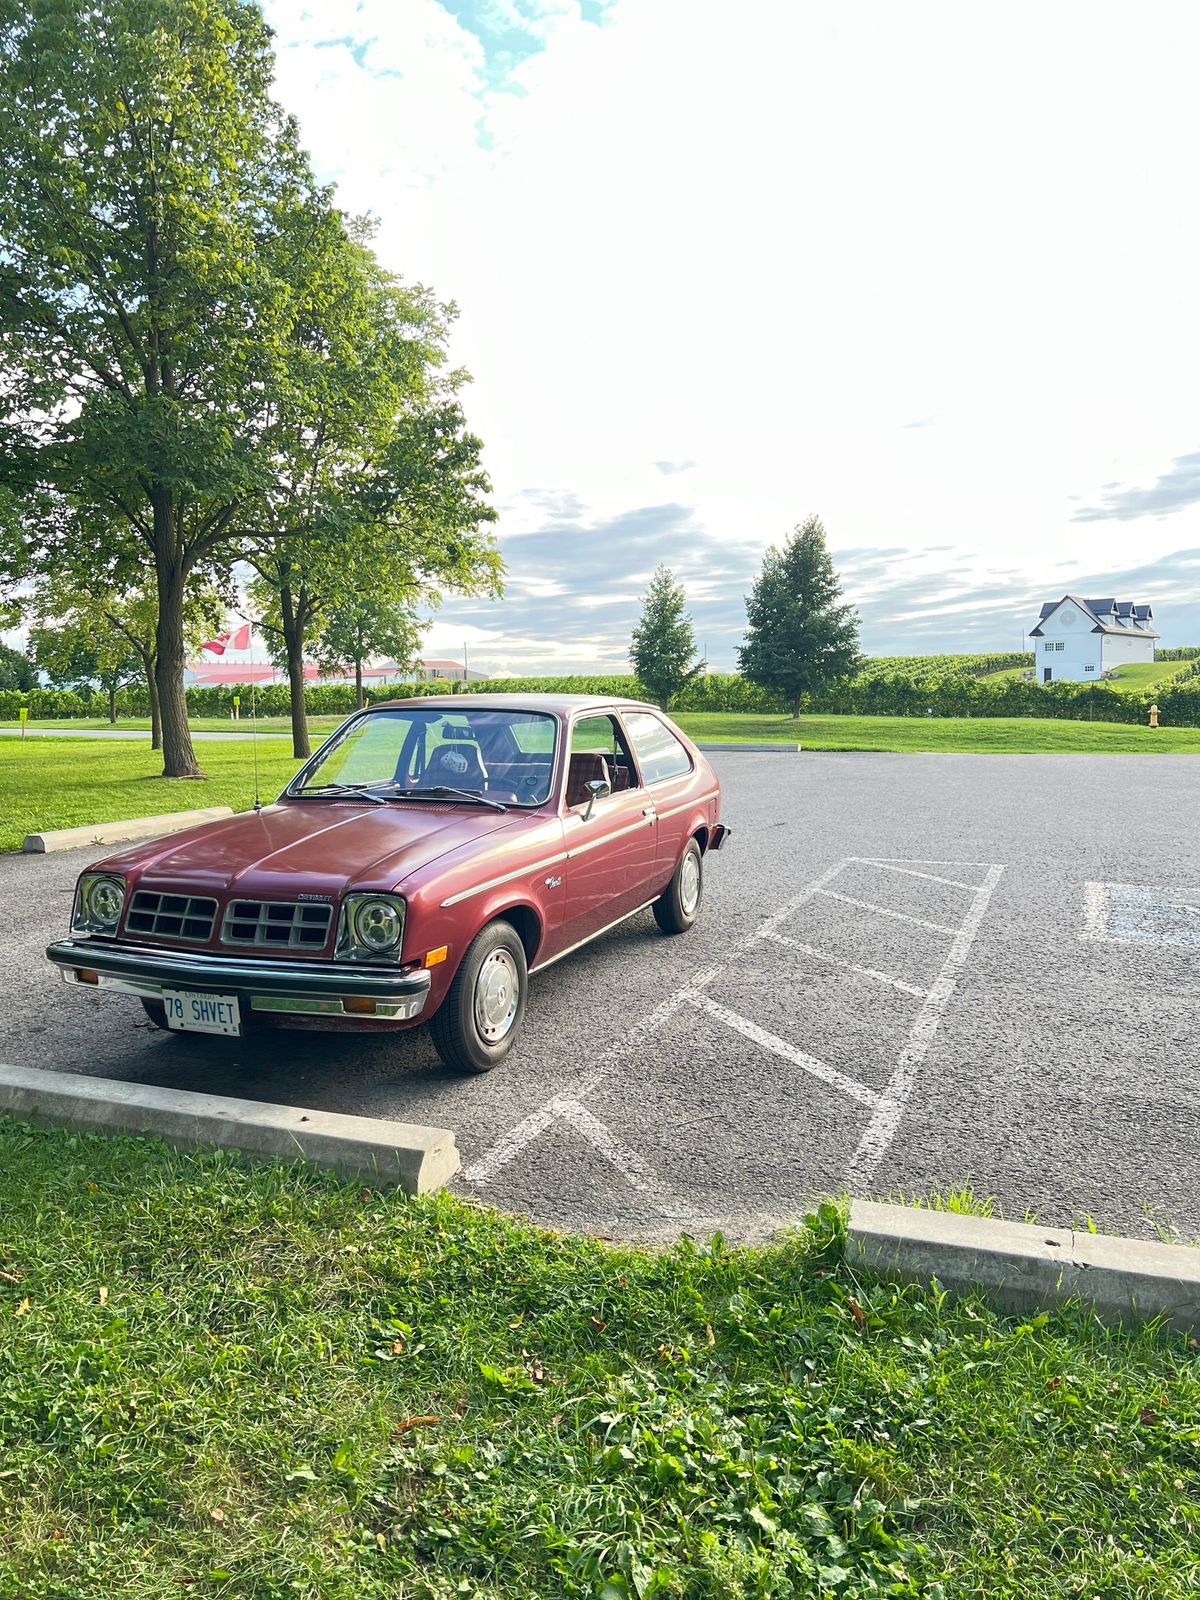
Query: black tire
[
  {"x": 157, "y": 1013},
  {"x": 677, "y": 908},
  {"x": 459, "y": 1026}
]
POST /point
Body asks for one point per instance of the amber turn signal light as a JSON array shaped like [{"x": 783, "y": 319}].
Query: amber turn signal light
[
  {"x": 434, "y": 956},
  {"x": 86, "y": 975},
  {"x": 359, "y": 1005}
]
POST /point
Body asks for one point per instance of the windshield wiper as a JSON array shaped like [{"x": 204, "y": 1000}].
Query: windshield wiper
[
  {"x": 343, "y": 788},
  {"x": 445, "y": 789}
]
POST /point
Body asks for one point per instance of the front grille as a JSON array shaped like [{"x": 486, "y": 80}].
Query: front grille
[
  {"x": 171, "y": 916},
  {"x": 278, "y": 924}
]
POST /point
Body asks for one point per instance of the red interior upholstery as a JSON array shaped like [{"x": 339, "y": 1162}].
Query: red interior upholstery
[{"x": 586, "y": 766}]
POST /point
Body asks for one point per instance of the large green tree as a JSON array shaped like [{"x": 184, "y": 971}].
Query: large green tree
[
  {"x": 159, "y": 224},
  {"x": 78, "y": 656},
  {"x": 800, "y": 635},
  {"x": 111, "y": 623},
  {"x": 366, "y": 620},
  {"x": 420, "y": 525},
  {"x": 662, "y": 649},
  {"x": 16, "y": 670}
]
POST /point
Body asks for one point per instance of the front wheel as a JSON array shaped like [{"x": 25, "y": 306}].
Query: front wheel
[
  {"x": 677, "y": 908},
  {"x": 477, "y": 1023}
]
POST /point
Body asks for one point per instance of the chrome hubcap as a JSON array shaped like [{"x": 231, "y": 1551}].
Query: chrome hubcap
[
  {"x": 497, "y": 991},
  {"x": 689, "y": 883}
]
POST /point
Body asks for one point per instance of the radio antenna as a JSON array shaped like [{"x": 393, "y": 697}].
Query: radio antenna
[{"x": 254, "y": 722}]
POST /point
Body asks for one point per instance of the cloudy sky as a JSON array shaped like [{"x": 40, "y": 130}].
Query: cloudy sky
[{"x": 929, "y": 270}]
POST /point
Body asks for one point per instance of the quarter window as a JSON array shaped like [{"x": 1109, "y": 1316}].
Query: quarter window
[{"x": 658, "y": 750}]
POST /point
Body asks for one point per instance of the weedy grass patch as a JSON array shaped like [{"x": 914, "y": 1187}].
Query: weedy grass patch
[{"x": 265, "y": 1383}]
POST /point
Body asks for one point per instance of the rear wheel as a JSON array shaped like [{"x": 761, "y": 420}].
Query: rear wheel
[
  {"x": 677, "y": 908},
  {"x": 477, "y": 1023}
]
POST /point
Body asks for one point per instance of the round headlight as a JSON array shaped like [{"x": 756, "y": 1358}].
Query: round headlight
[
  {"x": 377, "y": 924},
  {"x": 104, "y": 899}
]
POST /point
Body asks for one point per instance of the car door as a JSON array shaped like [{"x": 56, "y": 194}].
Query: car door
[
  {"x": 668, "y": 774},
  {"x": 611, "y": 852}
]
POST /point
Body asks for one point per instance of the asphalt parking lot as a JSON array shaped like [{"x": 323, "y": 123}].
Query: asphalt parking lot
[{"x": 912, "y": 973}]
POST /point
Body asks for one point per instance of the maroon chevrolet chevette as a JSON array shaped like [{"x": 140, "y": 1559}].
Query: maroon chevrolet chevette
[{"x": 429, "y": 857}]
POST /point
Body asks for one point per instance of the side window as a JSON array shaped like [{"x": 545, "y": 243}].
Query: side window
[
  {"x": 658, "y": 750},
  {"x": 594, "y": 739}
]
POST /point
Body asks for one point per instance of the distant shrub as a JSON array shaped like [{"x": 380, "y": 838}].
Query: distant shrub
[{"x": 890, "y": 686}]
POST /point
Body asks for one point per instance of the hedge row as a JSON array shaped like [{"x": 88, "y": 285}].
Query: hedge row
[
  {"x": 872, "y": 694},
  {"x": 717, "y": 692}
]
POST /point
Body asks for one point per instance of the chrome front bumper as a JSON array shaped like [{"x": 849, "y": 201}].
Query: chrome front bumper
[{"x": 292, "y": 987}]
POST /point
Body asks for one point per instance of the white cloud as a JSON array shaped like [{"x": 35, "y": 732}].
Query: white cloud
[{"x": 768, "y": 240}]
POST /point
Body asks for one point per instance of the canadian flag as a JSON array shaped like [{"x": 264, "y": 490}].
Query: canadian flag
[{"x": 238, "y": 640}]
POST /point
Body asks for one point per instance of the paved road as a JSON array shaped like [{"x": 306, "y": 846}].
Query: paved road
[{"x": 913, "y": 972}]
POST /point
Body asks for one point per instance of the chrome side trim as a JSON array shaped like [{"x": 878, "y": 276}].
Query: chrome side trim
[
  {"x": 508, "y": 877},
  {"x": 579, "y": 944},
  {"x": 619, "y": 833},
  {"x": 697, "y": 800}
]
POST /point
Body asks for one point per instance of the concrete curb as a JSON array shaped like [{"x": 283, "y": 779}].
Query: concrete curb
[
  {"x": 415, "y": 1159},
  {"x": 1027, "y": 1268},
  {"x": 51, "y": 839},
  {"x": 776, "y": 747}
]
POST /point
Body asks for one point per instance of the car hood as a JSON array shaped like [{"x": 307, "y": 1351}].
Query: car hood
[{"x": 318, "y": 847}]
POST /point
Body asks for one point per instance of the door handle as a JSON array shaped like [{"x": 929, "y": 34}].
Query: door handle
[{"x": 649, "y": 811}]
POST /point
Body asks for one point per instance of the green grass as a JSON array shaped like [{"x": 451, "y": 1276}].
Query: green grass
[
  {"x": 60, "y": 783},
  {"x": 1138, "y": 675},
  {"x": 962, "y": 734},
  {"x": 140, "y": 725},
  {"x": 210, "y": 1380}
]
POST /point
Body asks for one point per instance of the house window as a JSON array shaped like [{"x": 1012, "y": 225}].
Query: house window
[
  {"x": 1090, "y": 667},
  {"x": 1061, "y": 645},
  {"x": 1048, "y": 646}
]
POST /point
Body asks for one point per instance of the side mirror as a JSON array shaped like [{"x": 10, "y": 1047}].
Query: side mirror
[{"x": 597, "y": 789}]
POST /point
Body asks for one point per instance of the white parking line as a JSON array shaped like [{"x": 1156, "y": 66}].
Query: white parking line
[
  {"x": 531, "y": 1127},
  {"x": 627, "y": 1162},
  {"x": 1095, "y": 911},
  {"x": 887, "y": 1107},
  {"x": 881, "y": 1130},
  {"x": 911, "y": 872},
  {"x": 523, "y": 1133},
  {"x": 849, "y": 966},
  {"x": 780, "y": 1047},
  {"x": 884, "y": 911}
]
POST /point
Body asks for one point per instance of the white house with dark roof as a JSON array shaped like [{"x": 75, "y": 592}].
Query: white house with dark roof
[{"x": 1078, "y": 641}]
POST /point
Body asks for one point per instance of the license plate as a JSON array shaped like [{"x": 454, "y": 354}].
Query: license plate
[{"x": 201, "y": 1013}]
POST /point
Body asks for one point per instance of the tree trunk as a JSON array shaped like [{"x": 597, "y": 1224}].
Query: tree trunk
[
  {"x": 152, "y": 690},
  {"x": 797, "y": 701},
  {"x": 112, "y": 707},
  {"x": 179, "y": 757},
  {"x": 358, "y": 694},
  {"x": 295, "y": 669},
  {"x": 293, "y": 614}
]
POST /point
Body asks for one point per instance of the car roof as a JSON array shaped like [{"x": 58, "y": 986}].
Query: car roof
[{"x": 559, "y": 704}]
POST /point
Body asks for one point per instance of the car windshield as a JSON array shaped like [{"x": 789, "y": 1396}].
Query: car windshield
[{"x": 504, "y": 757}]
